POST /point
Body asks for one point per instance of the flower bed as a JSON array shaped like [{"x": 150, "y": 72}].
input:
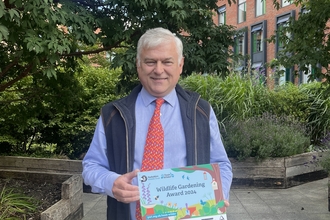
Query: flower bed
[
  {"x": 278, "y": 172},
  {"x": 67, "y": 172}
]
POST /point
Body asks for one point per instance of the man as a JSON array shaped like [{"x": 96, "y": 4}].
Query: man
[{"x": 191, "y": 132}]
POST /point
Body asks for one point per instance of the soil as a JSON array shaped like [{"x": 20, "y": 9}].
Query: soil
[{"x": 45, "y": 194}]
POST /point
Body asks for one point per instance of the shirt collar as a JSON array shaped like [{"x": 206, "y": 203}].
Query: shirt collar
[{"x": 147, "y": 98}]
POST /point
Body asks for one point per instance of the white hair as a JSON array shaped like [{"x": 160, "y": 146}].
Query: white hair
[{"x": 156, "y": 36}]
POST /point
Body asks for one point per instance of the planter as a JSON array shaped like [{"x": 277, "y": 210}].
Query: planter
[
  {"x": 70, "y": 207},
  {"x": 278, "y": 172},
  {"x": 66, "y": 172},
  {"x": 41, "y": 164},
  {"x": 329, "y": 193}
]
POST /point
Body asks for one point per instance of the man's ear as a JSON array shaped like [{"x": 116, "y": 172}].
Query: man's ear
[
  {"x": 182, "y": 61},
  {"x": 181, "y": 64}
]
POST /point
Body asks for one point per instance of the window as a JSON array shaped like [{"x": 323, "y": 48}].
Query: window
[
  {"x": 258, "y": 49},
  {"x": 257, "y": 39},
  {"x": 260, "y": 7},
  {"x": 286, "y": 76},
  {"x": 241, "y": 11},
  {"x": 281, "y": 36},
  {"x": 286, "y": 2},
  {"x": 240, "y": 48},
  {"x": 282, "y": 22},
  {"x": 240, "y": 45},
  {"x": 222, "y": 15},
  {"x": 303, "y": 77}
]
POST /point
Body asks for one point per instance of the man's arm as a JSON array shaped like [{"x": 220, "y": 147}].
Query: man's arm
[
  {"x": 96, "y": 170},
  {"x": 219, "y": 155},
  {"x": 97, "y": 174}
]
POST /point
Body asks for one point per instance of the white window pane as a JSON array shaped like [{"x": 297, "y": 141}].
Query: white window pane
[
  {"x": 286, "y": 2},
  {"x": 241, "y": 12},
  {"x": 260, "y": 7}
]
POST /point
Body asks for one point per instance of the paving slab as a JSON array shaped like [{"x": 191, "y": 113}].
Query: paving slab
[{"x": 304, "y": 202}]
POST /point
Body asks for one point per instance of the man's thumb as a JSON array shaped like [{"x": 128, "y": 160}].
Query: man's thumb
[{"x": 132, "y": 174}]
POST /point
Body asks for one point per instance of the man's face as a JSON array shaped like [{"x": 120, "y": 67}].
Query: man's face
[{"x": 159, "y": 70}]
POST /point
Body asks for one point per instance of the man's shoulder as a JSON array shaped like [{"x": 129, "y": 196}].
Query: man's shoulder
[
  {"x": 193, "y": 97},
  {"x": 124, "y": 101},
  {"x": 113, "y": 105},
  {"x": 185, "y": 93}
]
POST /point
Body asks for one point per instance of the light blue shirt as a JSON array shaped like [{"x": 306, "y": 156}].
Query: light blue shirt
[{"x": 95, "y": 163}]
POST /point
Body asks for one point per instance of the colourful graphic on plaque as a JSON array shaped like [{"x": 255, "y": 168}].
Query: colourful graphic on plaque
[{"x": 192, "y": 192}]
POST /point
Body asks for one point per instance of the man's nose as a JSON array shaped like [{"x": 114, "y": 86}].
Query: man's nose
[{"x": 159, "y": 69}]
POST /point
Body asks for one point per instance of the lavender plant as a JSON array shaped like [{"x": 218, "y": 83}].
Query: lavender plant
[{"x": 265, "y": 136}]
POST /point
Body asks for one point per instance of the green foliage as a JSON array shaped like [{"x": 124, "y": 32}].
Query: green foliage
[
  {"x": 41, "y": 112},
  {"x": 32, "y": 103},
  {"x": 234, "y": 97},
  {"x": 289, "y": 99},
  {"x": 265, "y": 136},
  {"x": 75, "y": 128},
  {"x": 240, "y": 103},
  {"x": 41, "y": 35},
  {"x": 318, "y": 119},
  {"x": 14, "y": 205},
  {"x": 308, "y": 41},
  {"x": 35, "y": 35}
]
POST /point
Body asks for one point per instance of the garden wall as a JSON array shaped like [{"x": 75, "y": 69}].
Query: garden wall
[
  {"x": 278, "y": 172},
  {"x": 271, "y": 173},
  {"x": 66, "y": 172}
]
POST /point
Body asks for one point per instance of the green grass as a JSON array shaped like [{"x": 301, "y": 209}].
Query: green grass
[{"x": 15, "y": 205}]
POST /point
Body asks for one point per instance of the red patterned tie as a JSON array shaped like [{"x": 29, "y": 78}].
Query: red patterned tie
[{"x": 153, "y": 155}]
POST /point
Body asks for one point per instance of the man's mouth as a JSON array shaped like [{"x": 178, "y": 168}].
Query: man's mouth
[{"x": 157, "y": 78}]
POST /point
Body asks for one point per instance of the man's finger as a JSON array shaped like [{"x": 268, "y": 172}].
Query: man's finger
[{"x": 123, "y": 190}]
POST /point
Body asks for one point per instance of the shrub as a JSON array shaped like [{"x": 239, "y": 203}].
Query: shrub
[
  {"x": 288, "y": 99},
  {"x": 318, "y": 118},
  {"x": 234, "y": 97},
  {"x": 61, "y": 113},
  {"x": 265, "y": 136},
  {"x": 243, "y": 99}
]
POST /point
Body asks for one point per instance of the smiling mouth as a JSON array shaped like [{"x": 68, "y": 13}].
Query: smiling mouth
[{"x": 157, "y": 78}]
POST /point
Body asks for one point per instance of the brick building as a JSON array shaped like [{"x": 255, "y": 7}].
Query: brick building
[{"x": 259, "y": 20}]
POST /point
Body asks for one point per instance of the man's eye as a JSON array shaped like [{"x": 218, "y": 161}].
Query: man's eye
[
  {"x": 168, "y": 62},
  {"x": 150, "y": 63}
]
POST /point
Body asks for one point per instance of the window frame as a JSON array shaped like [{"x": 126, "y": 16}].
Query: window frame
[
  {"x": 286, "y": 3},
  {"x": 239, "y": 12},
  {"x": 258, "y": 57},
  {"x": 254, "y": 31},
  {"x": 221, "y": 14},
  {"x": 262, "y": 7},
  {"x": 281, "y": 21},
  {"x": 243, "y": 35}
]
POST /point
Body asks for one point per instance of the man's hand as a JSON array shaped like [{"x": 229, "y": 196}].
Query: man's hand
[
  {"x": 226, "y": 203},
  {"x": 123, "y": 190}
]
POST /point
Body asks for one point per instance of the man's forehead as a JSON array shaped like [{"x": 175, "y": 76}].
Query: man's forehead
[{"x": 156, "y": 58}]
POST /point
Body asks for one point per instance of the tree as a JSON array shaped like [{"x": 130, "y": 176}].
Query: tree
[
  {"x": 40, "y": 36},
  {"x": 38, "y": 112},
  {"x": 42, "y": 98},
  {"x": 32, "y": 105},
  {"x": 307, "y": 44}
]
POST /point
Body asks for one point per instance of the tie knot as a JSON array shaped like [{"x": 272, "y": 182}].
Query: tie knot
[{"x": 159, "y": 102}]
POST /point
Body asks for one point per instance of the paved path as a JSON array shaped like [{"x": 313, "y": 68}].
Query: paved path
[{"x": 305, "y": 202}]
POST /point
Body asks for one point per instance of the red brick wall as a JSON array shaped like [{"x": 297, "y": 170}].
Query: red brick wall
[{"x": 270, "y": 16}]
